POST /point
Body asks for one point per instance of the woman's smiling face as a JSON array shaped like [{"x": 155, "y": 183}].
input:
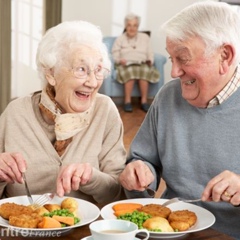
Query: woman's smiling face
[
  {"x": 76, "y": 95},
  {"x": 200, "y": 76}
]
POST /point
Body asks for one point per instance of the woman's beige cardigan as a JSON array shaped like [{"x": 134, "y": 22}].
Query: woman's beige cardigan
[{"x": 100, "y": 144}]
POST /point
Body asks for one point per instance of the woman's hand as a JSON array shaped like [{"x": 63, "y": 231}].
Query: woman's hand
[
  {"x": 149, "y": 63},
  {"x": 136, "y": 176},
  {"x": 12, "y": 165},
  {"x": 223, "y": 187},
  {"x": 72, "y": 176},
  {"x": 123, "y": 62}
]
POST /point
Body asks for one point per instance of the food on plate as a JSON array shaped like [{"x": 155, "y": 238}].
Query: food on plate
[
  {"x": 27, "y": 217},
  {"x": 126, "y": 206},
  {"x": 136, "y": 217},
  {"x": 122, "y": 212},
  {"x": 52, "y": 207},
  {"x": 158, "y": 224},
  {"x": 40, "y": 210},
  {"x": 155, "y": 210},
  {"x": 123, "y": 208},
  {"x": 64, "y": 219},
  {"x": 70, "y": 204},
  {"x": 64, "y": 216},
  {"x": 13, "y": 209},
  {"x": 158, "y": 218},
  {"x": 48, "y": 222},
  {"x": 25, "y": 220},
  {"x": 182, "y": 220}
]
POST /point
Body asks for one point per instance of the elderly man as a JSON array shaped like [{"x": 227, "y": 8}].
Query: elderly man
[{"x": 191, "y": 134}]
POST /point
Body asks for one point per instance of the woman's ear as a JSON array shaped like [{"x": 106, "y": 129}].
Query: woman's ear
[
  {"x": 227, "y": 55},
  {"x": 50, "y": 77}
]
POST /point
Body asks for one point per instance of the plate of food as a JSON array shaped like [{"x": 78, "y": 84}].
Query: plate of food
[
  {"x": 173, "y": 221},
  {"x": 55, "y": 218}
]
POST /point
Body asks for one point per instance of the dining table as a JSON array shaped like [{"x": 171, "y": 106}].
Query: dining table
[{"x": 84, "y": 231}]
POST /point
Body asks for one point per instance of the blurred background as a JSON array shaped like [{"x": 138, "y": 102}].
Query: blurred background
[{"x": 23, "y": 22}]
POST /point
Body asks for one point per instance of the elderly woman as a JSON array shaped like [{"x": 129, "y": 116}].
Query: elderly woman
[
  {"x": 134, "y": 61},
  {"x": 68, "y": 138}
]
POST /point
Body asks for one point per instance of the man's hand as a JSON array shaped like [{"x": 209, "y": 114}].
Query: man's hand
[{"x": 136, "y": 176}]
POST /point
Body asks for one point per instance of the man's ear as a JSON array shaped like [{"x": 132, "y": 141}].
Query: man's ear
[
  {"x": 50, "y": 77},
  {"x": 227, "y": 53}
]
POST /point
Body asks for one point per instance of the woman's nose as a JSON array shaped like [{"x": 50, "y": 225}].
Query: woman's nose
[{"x": 92, "y": 80}]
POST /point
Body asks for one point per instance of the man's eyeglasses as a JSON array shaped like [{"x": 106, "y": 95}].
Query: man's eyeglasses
[{"x": 83, "y": 71}]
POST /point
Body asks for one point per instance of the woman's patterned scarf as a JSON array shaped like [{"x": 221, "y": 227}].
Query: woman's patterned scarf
[{"x": 67, "y": 125}]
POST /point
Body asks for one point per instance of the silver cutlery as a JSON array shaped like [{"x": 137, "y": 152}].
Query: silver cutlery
[
  {"x": 178, "y": 199},
  {"x": 30, "y": 199},
  {"x": 43, "y": 199}
]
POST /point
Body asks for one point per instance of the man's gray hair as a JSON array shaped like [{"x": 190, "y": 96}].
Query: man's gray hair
[{"x": 216, "y": 23}]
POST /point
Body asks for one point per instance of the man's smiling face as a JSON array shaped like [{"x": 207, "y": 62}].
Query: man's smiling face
[{"x": 199, "y": 74}]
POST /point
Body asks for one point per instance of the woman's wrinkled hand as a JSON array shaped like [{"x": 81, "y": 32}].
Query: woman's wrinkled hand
[
  {"x": 12, "y": 165},
  {"x": 223, "y": 187},
  {"x": 136, "y": 176},
  {"x": 72, "y": 176}
]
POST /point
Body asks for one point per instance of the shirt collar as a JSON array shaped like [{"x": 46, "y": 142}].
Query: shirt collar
[{"x": 227, "y": 91}]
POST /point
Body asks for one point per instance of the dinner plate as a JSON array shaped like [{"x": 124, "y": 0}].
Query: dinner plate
[
  {"x": 205, "y": 219},
  {"x": 87, "y": 212}
]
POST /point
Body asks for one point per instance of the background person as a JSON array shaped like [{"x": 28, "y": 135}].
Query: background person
[
  {"x": 67, "y": 137},
  {"x": 191, "y": 134},
  {"x": 133, "y": 56}
]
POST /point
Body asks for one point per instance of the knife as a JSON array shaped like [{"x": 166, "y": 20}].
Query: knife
[{"x": 30, "y": 199}]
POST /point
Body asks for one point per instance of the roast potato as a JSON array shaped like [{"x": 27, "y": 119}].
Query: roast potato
[
  {"x": 70, "y": 204},
  {"x": 158, "y": 223}
]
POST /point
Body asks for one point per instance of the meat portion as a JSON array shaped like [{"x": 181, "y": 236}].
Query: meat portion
[
  {"x": 182, "y": 220},
  {"x": 13, "y": 209},
  {"x": 19, "y": 215},
  {"x": 25, "y": 221},
  {"x": 155, "y": 210}
]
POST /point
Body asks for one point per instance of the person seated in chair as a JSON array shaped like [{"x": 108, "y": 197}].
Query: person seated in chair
[
  {"x": 53, "y": 134},
  {"x": 133, "y": 58}
]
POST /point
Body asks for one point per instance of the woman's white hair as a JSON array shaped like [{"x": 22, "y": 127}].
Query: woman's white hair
[
  {"x": 131, "y": 16},
  {"x": 59, "y": 42},
  {"x": 216, "y": 23}
]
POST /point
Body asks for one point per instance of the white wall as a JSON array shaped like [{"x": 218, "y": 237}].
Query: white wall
[{"x": 109, "y": 15}]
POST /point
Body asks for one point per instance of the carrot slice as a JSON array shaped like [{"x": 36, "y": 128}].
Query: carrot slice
[
  {"x": 126, "y": 206},
  {"x": 48, "y": 222},
  {"x": 62, "y": 219},
  {"x": 121, "y": 212}
]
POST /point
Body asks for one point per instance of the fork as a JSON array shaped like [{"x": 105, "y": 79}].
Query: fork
[
  {"x": 43, "y": 199},
  {"x": 178, "y": 199}
]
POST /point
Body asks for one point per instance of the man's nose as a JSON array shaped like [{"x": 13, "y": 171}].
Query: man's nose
[{"x": 176, "y": 70}]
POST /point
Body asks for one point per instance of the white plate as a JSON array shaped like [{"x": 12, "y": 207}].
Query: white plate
[
  {"x": 205, "y": 219},
  {"x": 87, "y": 212},
  {"x": 91, "y": 238}
]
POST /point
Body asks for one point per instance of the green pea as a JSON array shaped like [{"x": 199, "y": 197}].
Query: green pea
[{"x": 137, "y": 217}]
